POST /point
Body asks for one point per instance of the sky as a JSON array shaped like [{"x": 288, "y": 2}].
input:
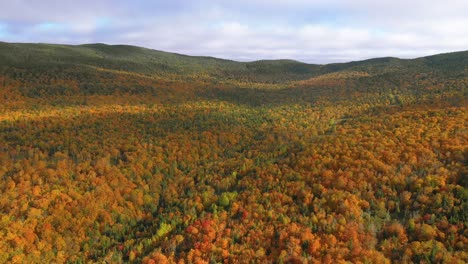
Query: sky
[{"x": 313, "y": 31}]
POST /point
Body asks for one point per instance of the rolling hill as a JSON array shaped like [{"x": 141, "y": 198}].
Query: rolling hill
[
  {"x": 121, "y": 154},
  {"x": 152, "y": 62},
  {"x": 39, "y": 70}
]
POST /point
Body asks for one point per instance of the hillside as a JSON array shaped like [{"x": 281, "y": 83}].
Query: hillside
[
  {"x": 40, "y": 70},
  {"x": 137, "y": 60},
  {"x": 121, "y": 154},
  {"x": 83, "y": 58}
]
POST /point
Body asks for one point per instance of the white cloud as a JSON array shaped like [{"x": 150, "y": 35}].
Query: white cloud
[{"x": 317, "y": 31}]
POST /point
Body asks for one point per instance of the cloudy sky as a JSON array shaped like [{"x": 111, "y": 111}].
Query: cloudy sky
[{"x": 315, "y": 31}]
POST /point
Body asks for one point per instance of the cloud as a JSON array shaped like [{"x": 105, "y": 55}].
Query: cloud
[{"x": 317, "y": 31}]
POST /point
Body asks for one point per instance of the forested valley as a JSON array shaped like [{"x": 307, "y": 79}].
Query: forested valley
[{"x": 119, "y": 154}]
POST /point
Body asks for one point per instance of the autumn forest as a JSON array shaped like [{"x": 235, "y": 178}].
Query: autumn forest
[{"x": 120, "y": 154}]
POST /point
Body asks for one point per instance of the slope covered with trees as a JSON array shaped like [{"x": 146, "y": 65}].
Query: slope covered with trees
[{"x": 123, "y": 154}]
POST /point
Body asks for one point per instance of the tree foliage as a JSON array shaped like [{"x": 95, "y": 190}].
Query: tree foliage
[{"x": 363, "y": 165}]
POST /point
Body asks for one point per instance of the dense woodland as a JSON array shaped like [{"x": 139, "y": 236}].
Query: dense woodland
[{"x": 122, "y": 154}]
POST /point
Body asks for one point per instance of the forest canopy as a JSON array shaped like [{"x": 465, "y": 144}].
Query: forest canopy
[{"x": 123, "y": 154}]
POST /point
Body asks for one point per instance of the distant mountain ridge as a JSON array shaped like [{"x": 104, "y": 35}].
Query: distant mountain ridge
[
  {"x": 53, "y": 70},
  {"x": 154, "y": 62}
]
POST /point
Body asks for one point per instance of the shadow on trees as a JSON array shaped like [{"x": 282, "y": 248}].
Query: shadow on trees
[{"x": 257, "y": 97}]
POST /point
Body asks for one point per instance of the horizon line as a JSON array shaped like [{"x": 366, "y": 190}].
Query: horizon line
[{"x": 232, "y": 60}]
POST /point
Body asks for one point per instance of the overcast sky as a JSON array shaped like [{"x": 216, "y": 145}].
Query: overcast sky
[{"x": 314, "y": 31}]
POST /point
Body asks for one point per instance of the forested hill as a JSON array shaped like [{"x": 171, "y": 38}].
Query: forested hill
[
  {"x": 121, "y": 154},
  {"x": 50, "y": 70},
  {"x": 80, "y": 59}
]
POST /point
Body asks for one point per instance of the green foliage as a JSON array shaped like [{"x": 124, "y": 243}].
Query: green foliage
[
  {"x": 164, "y": 229},
  {"x": 226, "y": 198}
]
